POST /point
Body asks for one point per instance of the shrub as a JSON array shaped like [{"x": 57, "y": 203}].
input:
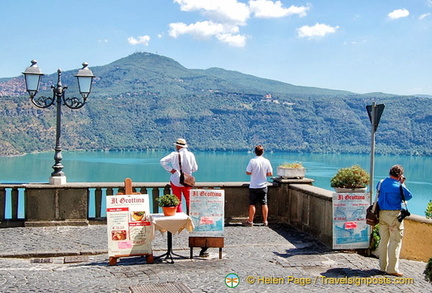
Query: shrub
[
  {"x": 428, "y": 271},
  {"x": 375, "y": 238},
  {"x": 428, "y": 211},
  {"x": 291, "y": 165},
  {"x": 351, "y": 177}
]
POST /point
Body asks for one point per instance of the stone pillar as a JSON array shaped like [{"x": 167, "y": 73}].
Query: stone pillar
[
  {"x": 56, "y": 206},
  {"x": 282, "y": 205}
]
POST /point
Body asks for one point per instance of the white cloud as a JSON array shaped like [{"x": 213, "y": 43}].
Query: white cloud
[
  {"x": 423, "y": 16},
  {"x": 270, "y": 9},
  {"x": 142, "y": 40},
  {"x": 207, "y": 29},
  {"x": 225, "y": 17},
  {"x": 233, "y": 40},
  {"x": 224, "y": 20},
  {"x": 230, "y": 11},
  {"x": 204, "y": 29},
  {"x": 398, "y": 13},
  {"x": 316, "y": 31}
]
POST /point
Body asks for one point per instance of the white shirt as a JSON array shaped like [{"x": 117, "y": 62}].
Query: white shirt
[
  {"x": 171, "y": 161},
  {"x": 259, "y": 167}
]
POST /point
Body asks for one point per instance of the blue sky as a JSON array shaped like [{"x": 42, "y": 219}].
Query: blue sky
[{"x": 361, "y": 46}]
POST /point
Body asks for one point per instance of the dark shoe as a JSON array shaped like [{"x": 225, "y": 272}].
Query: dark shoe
[
  {"x": 247, "y": 224},
  {"x": 396, "y": 274},
  {"x": 204, "y": 252}
]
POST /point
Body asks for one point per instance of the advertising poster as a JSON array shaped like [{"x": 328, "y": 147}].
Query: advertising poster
[
  {"x": 350, "y": 230},
  {"x": 129, "y": 229},
  {"x": 207, "y": 212}
]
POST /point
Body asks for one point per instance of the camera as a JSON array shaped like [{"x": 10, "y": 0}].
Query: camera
[{"x": 403, "y": 214}]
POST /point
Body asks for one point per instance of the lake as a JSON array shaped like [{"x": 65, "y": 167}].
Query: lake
[{"x": 213, "y": 167}]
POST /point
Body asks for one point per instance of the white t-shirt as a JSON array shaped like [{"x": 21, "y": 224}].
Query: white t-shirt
[{"x": 259, "y": 167}]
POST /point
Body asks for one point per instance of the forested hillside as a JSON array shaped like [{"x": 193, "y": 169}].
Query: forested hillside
[{"x": 146, "y": 101}]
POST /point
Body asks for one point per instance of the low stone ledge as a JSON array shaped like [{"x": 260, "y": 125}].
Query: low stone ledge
[
  {"x": 77, "y": 222},
  {"x": 121, "y": 184},
  {"x": 293, "y": 180},
  {"x": 313, "y": 190},
  {"x": 419, "y": 219}
]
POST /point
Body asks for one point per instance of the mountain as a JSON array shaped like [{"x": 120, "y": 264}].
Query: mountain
[
  {"x": 146, "y": 101},
  {"x": 154, "y": 74}
]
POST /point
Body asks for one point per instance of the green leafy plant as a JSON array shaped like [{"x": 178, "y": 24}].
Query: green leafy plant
[
  {"x": 375, "y": 238},
  {"x": 351, "y": 177},
  {"x": 428, "y": 212},
  {"x": 168, "y": 200},
  {"x": 295, "y": 165},
  {"x": 428, "y": 271}
]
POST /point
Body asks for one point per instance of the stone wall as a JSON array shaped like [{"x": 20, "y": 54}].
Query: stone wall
[
  {"x": 417, "y": 240},
  {"x": 310, "y": 210}
]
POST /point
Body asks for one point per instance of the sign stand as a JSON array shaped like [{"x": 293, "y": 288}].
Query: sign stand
[
  {"x": 207, "y": 214},
  {"x": 134, "y": 227},
  {"x": 217, "y": 242},
  {"x": 350, "y": 230}
]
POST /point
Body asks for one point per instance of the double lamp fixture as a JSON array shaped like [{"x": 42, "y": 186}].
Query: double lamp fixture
[{"x": 33, "y": 76}]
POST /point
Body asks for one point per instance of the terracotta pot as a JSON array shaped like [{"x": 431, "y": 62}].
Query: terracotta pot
[{"x": 169, "y": 211}]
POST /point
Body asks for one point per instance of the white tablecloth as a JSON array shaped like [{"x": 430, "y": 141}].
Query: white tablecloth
[{"x": 174, "y": 224}]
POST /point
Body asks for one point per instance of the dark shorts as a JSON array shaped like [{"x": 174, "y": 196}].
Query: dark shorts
[{"x": 258, "y": 195}]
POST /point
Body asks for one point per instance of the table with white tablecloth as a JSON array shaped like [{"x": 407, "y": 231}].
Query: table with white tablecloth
[{"x": 172, "y": 225}]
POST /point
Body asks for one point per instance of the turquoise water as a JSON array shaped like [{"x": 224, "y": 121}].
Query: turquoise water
[{"x": 213, "y": 167}]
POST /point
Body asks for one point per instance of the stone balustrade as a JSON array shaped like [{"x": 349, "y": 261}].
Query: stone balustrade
[{"x": 293, "y": 201}]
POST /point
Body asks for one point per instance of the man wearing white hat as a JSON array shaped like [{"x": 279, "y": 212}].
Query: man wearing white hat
[{"x": 172, "y": 165}]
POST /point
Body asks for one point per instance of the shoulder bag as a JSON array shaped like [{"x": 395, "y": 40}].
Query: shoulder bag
[
  {"x": 185, "y": 179},
  {"x": 372, "y": 212}
]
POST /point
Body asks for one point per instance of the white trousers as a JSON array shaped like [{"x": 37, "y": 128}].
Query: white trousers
[{"x": 391, "y": 233}]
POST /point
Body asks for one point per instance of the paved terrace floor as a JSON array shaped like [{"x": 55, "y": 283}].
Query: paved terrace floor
[{"x": 275, "y": 258}]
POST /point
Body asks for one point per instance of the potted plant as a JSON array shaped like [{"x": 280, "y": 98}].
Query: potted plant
[
  {"x": 291, "y": 170},
  {"x": 169, "y": 203},
  {"x": 351, "y": 179}
]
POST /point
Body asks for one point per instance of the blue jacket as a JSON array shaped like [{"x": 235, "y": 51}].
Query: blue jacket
[{"x": 389, "y": 195}]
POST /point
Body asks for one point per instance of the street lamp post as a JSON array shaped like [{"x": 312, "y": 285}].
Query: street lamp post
[{"x": 33, "y": 76}]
